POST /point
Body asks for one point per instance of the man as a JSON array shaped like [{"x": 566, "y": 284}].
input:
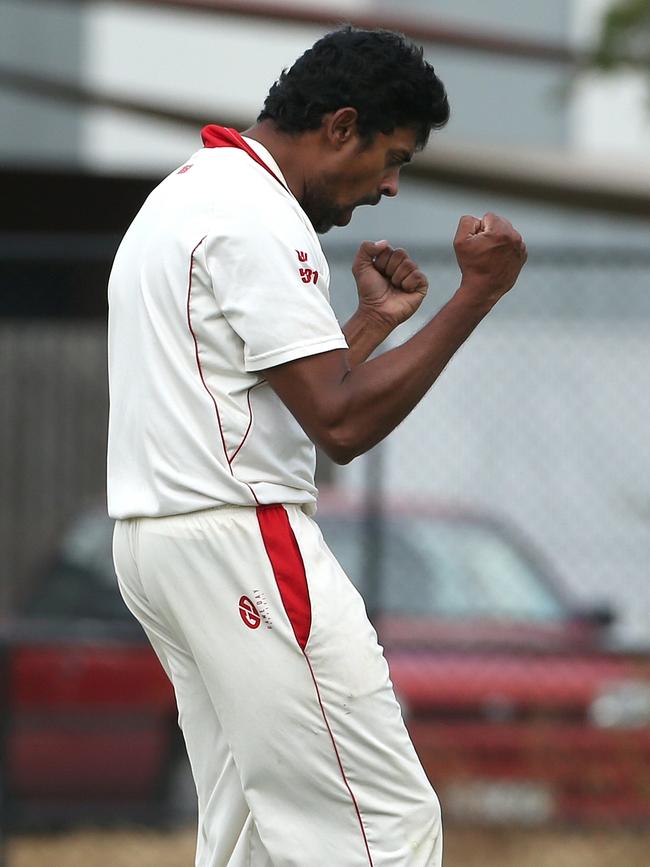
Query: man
[{"x": 226, "y": 365}]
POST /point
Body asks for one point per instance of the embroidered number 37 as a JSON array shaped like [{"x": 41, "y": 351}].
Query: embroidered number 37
[{"x": 308, "y": 276}]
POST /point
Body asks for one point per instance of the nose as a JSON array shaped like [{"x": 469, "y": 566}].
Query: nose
[{"x": 390, "y": 185}]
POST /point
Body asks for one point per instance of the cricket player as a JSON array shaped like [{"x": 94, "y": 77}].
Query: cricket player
[{"x": 227, "y": 365}]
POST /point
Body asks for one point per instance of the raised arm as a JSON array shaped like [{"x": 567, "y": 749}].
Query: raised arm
[{"x": 345, "y": 408}]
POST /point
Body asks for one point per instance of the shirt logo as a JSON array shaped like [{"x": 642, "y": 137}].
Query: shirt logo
[
  {"x": 185, "y": 169},
  {"x": 308, "y": 276},
  {"x": 249, "y": 613},
  {"x": 302, "y": 256}
]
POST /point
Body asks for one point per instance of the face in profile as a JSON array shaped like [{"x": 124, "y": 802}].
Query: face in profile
[{"x": 358, "y": 173}]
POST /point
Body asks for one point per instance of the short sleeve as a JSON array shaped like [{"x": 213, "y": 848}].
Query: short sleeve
[{"x": 267, "y": 278}]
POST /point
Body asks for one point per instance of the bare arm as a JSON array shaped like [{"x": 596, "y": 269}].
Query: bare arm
[
  {"x": 347, "y": 409},
  {"x": 363, "y": 334}
]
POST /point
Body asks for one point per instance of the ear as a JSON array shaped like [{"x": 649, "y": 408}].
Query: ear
[{"x": 340, "y": 126}]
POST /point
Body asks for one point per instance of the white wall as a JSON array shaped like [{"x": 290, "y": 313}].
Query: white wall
[
  {"x": 43, "y": 38},
  {"x": 609, "y": 113},
  {"x": 214, "y": 65}
]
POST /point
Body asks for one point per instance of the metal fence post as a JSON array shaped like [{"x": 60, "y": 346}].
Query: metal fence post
[
  {"x": 4, "y": 728},
  {"x": 373, "y": 541}
]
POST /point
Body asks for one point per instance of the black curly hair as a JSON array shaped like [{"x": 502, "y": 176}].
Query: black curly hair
[{"x": 382, "y": 74}]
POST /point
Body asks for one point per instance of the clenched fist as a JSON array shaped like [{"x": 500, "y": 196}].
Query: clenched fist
[
  {"x": 390, "y": 284},
  {"x": 490, "y": 253}
]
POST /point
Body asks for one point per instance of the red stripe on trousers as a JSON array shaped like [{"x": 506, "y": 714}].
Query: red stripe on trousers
[
  {"x": 289, "y": 571},
  {"x": 288, "y": 568}
]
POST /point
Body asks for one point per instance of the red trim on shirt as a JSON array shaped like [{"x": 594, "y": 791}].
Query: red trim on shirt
[
  {"x": 290, "y": 576},
  {"x": 200, "y": 367},
  {"x": 214, "y": 136},
  {"x": 196, "y": 352},
  {"x": 250, "y": 421}
]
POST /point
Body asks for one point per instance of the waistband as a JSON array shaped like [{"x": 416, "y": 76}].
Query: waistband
[{"x": 215, "y": 513}]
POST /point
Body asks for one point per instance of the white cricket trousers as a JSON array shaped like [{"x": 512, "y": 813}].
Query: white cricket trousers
[{"x": 295, "y": 738}]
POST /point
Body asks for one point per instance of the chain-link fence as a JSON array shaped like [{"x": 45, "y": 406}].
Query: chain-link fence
[
  {"x": 542, "y": 419},
  {"x": 495, "y": 534}
]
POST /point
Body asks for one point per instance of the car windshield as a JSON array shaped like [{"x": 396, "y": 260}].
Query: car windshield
[
  {"x": 420, "y": 566},
  {"x": 416, "y": 566}
]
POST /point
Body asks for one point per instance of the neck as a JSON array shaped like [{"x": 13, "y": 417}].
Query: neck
[{"x": 285, "y": 151}]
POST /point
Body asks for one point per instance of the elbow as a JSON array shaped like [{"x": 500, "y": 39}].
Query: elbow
[
  {"x": 336, "y": 429},
  {"x": 341, "y": 457},
  {"x": 340, "y": 447}
]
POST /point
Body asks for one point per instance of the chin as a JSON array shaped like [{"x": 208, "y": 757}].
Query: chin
[
  {"x": 345, "y": 218},
  {"x": 342, "y": 218}
]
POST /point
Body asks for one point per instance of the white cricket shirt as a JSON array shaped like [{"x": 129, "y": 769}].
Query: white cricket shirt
[{"x": 220, "y": 276}]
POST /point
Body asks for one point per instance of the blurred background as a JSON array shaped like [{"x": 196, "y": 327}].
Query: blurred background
[{"x": 501, "y": 535}]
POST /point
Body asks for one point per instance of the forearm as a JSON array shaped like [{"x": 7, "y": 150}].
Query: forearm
[
  {"x": 364, "y": 334},
  {"x": 346, "y": 404},
  {"x": 376, "y": 396}
]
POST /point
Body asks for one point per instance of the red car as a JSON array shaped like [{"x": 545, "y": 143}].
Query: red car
[{"x": 517, "y": 708}]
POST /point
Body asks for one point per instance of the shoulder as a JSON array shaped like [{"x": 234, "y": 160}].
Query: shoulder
[{"x": 257, "y": 209}]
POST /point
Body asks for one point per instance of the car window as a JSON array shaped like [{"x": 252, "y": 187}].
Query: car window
[
  {"x": 80, "y": 582},
  {"x": 442, "y": 567}
]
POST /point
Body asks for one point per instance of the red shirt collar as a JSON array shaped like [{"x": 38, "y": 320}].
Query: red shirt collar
[{"x": 224, "y": 137}]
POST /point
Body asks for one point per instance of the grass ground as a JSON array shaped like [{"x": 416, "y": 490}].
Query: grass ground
[{"x": 463, "y": 848}]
